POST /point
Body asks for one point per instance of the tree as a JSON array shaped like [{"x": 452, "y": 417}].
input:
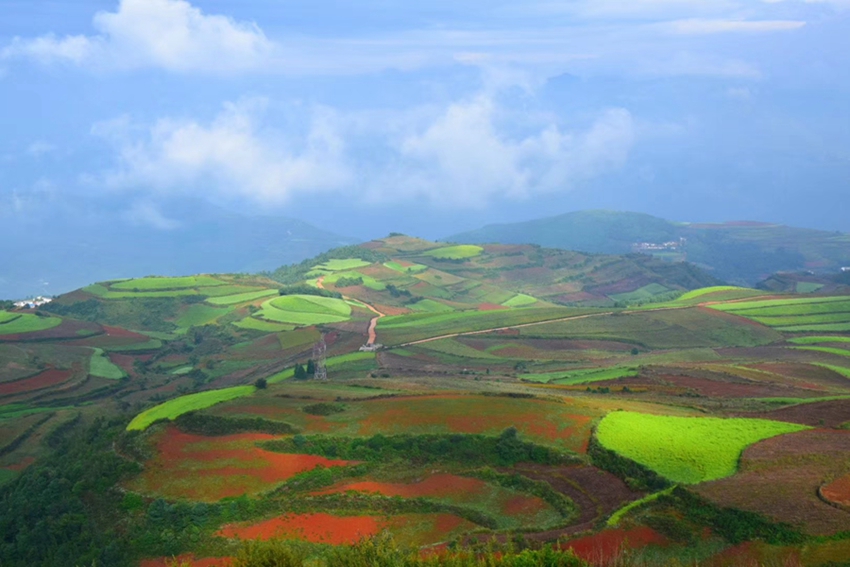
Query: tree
[
  {"x": 300, "y": 373},
  {"x": 261, "y": 384},
  {"x": 311, "y": 367}
]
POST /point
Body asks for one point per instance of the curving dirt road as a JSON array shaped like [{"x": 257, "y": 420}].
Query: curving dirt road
[{"x": 373, "y": 323}]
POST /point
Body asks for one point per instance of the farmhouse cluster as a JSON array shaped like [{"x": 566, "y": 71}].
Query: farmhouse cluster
[{"x": 33, "y": 303}]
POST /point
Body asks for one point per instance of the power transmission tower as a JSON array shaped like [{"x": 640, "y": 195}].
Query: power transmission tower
[{"x": 319, "y": 351}]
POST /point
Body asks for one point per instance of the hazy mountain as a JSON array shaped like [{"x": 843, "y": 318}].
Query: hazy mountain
[
  {"x": 739, "y": 252},
  {"x": 55, "y": 252}
]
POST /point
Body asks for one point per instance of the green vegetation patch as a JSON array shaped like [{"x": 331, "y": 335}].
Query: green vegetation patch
[
  {"x": 157, "y": 283},
  {"x": 520, "y": 300},
  {"x": 430, "y": 306},
  {"x": 199, "y": 314},
  {"x": 825, "y": 328},
  {"x": 615, "y": 518},
  {"x": 241, "y": 297},
  {"x": 6, "y": 317},
  {"x": 708, "y": 290},
  {"x": 102, "y": 367},
  {"x": 819, "y": 340},
  {"x": 686, "y": 449},
  {"x": 28, "y": 323},
  {"x": 641, "y": 294},
  {"x": 305, "y": 310},
  {"x": 412, "y": 269},
  {"x": 828, "y": 350},
  {"x": 584, "y": 376},
  {"x": 184, "y": 404},
  {"x": 459, "y": 252},
  {"x": 341, "y": 265},
  {"x": 264, "y": 326},
  {"x": 808, "y": 287},
  {"x": 837, "y": 369}
]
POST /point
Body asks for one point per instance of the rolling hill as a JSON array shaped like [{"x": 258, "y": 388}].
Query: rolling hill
[{"x": 738, "y": 252}]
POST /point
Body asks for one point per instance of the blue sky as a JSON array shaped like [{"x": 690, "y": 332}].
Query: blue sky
[{"x": 428, "y": 118}]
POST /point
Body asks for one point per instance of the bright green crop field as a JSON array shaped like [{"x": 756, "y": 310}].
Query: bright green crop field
[
  {"x": 459, "y": 252},
  {"x": 241, "y": 297},
  {"x": 199, "y": 314},
  {"x": 430, "y": 306},
  {"x": 102, "y": 367},
  {"x": 584, "y": 376},
  {"x": 412, "y": 269},
  {"x": 819, "y": 340},
  {"x": 28, "y": 323},
  {"x": 520, "y": 300},
  {"x": 153, "y": 284},
  {"x": 5, "y": 316},
  {"x": 824, "y": 328},
  {"x": 838, "y": 369},
  {"x": 338, "y": 265},
  {"x": 828, "y": 350},
  {"x": 173, "y": 409},
  {"x": 709, "y": 290},
  {"x": 263, "y": 326},
  {"x": 686, "y": 449},
  {"x": 305, "y": 310}
]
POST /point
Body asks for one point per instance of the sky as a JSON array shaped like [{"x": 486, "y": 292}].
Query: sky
[{"x": 425, "y": 117}]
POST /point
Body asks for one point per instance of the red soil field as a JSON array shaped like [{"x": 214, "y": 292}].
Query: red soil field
[
  {"x": 315, "y": 528},
  {"x": 471, "y": 414},
  {"x": 824, "y": 414},
  {"x": 603, "y": 548},
  {"x": 188, "y": 558},
  {"x": 780, "y": 478},
  {"x": 46, "y": 379},
  {"x": 23, "y": 464},
  {"x": 414, "y": 529},
  {"x": 491, "y": 307},
  {"x": 754, "y": 553},
  {"x": 389, "y": 310},
  {"x": 212, "y": 468},
  {"x": 838, "y": 491},
  {"x": 443, "y": 485}
]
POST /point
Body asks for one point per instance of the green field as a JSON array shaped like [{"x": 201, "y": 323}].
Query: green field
[
  {"x": 412, "y": 269},
  {"x": 837, "y": 369},
  {"x": 173, "y": 409},
  {"x": 28, "y": 323},
  {"x": 520, "y": 300},
  {"x": 430, "y": 306},
  {"x": 819, "y": 340},
  {"x": 824, "y": 328},
  {"x": 808, "y": 287},
  {"x": 459, "y": 252},
  {"x": 199, "y": 314},
  {"x": 686, "y": 449},
  {"x": 584, "y": 376},
  {"x": 6, "y": 317},
  {"x": 102, "y": 367},
  {"x": 337, "y": 265},
  {"x": 641, "y": 294},
  {"x": 827, "y": 350},
  {"x": 157, "y": 283},
  {"x": 264, "y": 326},
  {"x": 709, "y": 290},
  {"x": 405, "y": 328},
  {"x": 241, "y": 297},
  {"x": 305, "y": 310}
]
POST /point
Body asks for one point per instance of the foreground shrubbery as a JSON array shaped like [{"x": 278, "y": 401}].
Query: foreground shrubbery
[{"x": 384, "y": 552}]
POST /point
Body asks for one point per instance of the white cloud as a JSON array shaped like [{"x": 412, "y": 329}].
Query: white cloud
[
  {"x": 170, "y": 34},
  {"x": 232, "y": 156},
  {"x": 146, "y": 214},
  {"x": 707, "y": 27},
  {"x": 463, "y": 154},
  {"x": 463, "y": 158},
  {"x": 40, "y": 148}
]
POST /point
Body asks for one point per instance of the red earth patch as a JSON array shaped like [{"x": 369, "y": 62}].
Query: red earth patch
[
  {"x": 491, "y": 307},
  {"x": 315, "y": 528},
  {"x": 604, "y": 547},
  {"x": 838, "y": 491},
  {"x": 46, "y": 379}
]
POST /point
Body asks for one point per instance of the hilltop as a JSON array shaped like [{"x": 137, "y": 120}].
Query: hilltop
[
  {"x": 739, "y": 252},
  {"x": 471, "y": 392}
]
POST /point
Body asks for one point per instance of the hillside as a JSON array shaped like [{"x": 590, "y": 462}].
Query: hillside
[
  {"x": 55, "y": 253},
  {"x": 472, "y": 392},
  {"x": 739, "y": 252}
]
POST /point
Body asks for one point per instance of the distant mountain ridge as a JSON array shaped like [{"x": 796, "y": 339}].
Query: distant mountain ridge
[
  {"x": 741, "y": 252},
  {"x": 56, "y": 253}
]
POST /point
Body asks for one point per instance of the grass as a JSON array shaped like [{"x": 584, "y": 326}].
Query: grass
[
  {"x": 584, "y": 376},
  {"x": 825, "y": 328},
  {"x": 157, "y": 283},
  {"x": 818, "y": 340},
  {"x": 28, "y": 323},
  {"x": 808, "y": 287},
  {"x": 430, "y": 306},
  {"x": 641, "y": 294},
  {"x": 102, "y": 367},
  {"x": 341, "y": 265},
  {"x": 615, "y": 518},
  {"x": 814, "y": 319},
  {"x": 6, "y": 317},
  {"x": 828, "y": 350},
  {"x": 837, "y": 369},
  {"x": 708, "y": 290},
  {"x": 305, "y": 310},
  {"x": 199, "y": 314},
  {"x": 184, "y": 404},
  {"x": 401, "y": 329},
  {"x": 241, "y": 297},
  {"x": 520, "y": 300},
  {"x": 785, "y": 306},
  {"x": 412, "y": 269},
  {"x": 14, "y": 411},
  {"x": 264, "y": 326},
  {"x": 688, "y": 450},
  {"x": 459, "y": 252}
]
